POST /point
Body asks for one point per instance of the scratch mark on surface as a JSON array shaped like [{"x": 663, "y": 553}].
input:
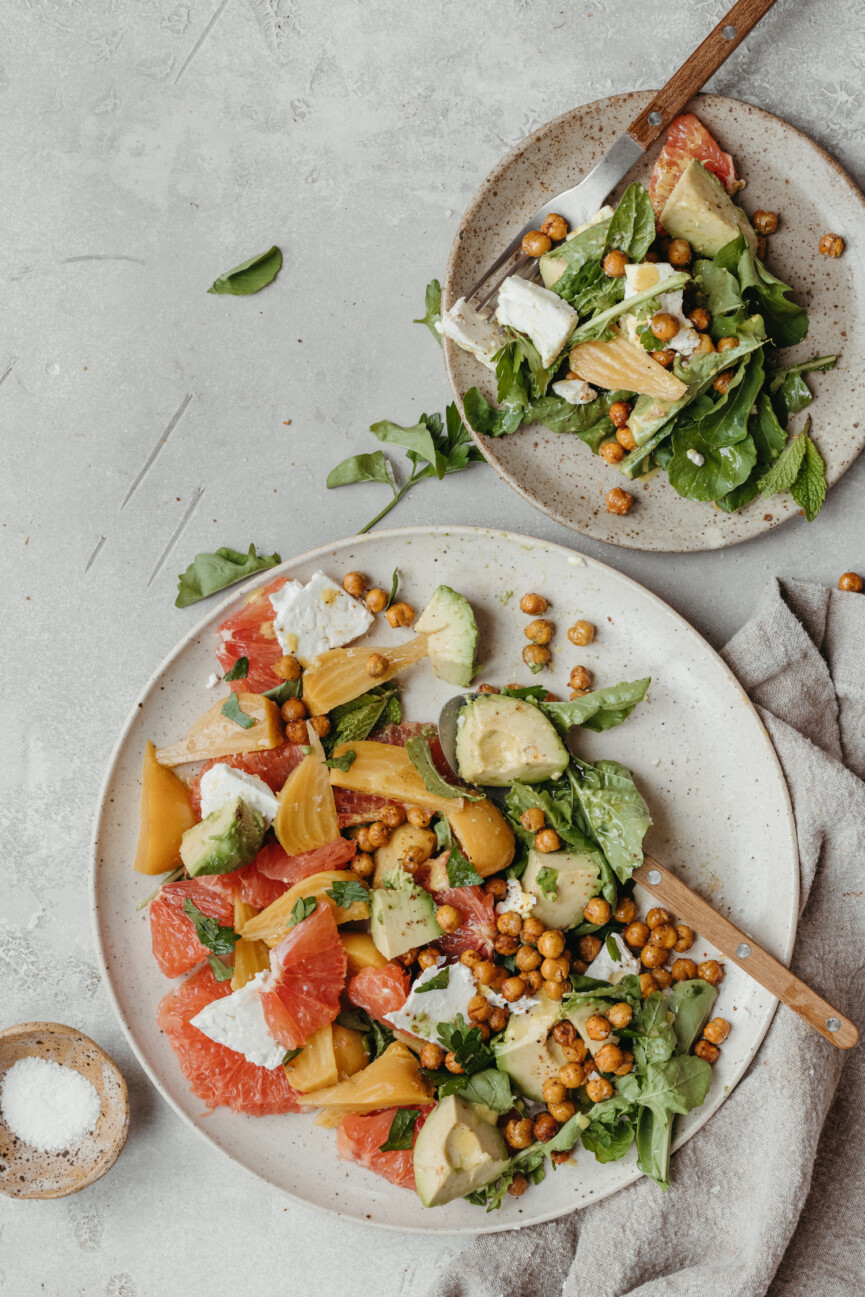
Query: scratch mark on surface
[
  {"x": 175, "y": 419},
  {"x": 202, "y": 38},
  {"x": 7, "y": 371},
  {"x": 102, "y": 256},
  {"x": 175, "y": 536},
  {"x": 94, "y": 556}
]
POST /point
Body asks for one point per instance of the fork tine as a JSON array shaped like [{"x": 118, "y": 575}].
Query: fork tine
[
  {"x": 513, "y": 246},
  {"x": 524, "y": 266}
]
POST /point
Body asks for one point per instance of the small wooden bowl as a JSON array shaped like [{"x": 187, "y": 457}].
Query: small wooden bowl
[{"x": 25, "y": 1172}]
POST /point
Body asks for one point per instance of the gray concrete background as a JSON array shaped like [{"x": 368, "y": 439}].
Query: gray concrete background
[{"x": 147, "y": 146}]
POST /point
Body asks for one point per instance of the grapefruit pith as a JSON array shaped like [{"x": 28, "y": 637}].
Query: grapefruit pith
[{"x": 380, "y": 990}]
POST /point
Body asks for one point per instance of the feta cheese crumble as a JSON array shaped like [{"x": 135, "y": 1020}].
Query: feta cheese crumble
[
  {"x": 212, "y": 680},
  {"x": 524, "y": 1004},
  {"x": 575, "y": 391},
  {"x": 516, "y": 901},
  {"x": 646, "y": 274},
  {"x": 310, "y": 619},
  {"x": 472, "y": 332},
  {"x": 222, "y": 783},
  {"x": 606, "y": 969},
  {"x": 544, "y": 316},
  {"x": 422, "y": 1012},
  {"x": 695, "y": 457},
  {"x": 237, "y": 1021}
]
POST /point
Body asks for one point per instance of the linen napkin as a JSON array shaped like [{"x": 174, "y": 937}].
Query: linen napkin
[{"x": 769, "y": 1196}]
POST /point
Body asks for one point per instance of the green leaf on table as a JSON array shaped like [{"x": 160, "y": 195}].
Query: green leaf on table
[
  {"x": 250, "y": 276},
  {"x": 239, "y": 671},
  {"x": 233, "y": 710},
  {"x": 437, "y": 983},
  {"x": 219, "y": 940},
  {"x": 809, "y": 489},
  {"x": 547, "y": 881},
  {"x": 418, "y": 440},
  {"x": 372, "y": 467},
  {"x": 401, "y": 1133},
  {"x": 632, "y": 226},
  {"x": 461, "y": 872},
  {"x": 208, "y": 573},
  {"x": 303, "y": 908},
  {"x": 344, "y": 893},
  {"x": 221, "y": 971},
  {"x": 418, "y": 751},
  {"x": 432, "y": 309},
  {"x": 343, "y": 762}
]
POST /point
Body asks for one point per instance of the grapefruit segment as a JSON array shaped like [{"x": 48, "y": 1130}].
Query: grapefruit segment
[
  {"x": 359, "y": 1139},
  {"x": 380, "y": 990},
  {"x": 688, "y": 138},
  {"x": 477, "y": 931},
  {"x": 277, "y": 865},
  {"x": 307, "y": 976},
  {"x": 176, "y": 948},
  {"x": 273, "y": 765},
  {"x": 250, "y": 634}
]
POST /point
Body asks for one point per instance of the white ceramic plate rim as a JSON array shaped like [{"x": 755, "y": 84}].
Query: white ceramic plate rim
[{"x": 489, "y": 1226}]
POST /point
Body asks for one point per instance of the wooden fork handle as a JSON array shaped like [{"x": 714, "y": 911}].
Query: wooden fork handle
[
  {"x": 693, "y": 75},
  {"x": 746, "y": 954}
]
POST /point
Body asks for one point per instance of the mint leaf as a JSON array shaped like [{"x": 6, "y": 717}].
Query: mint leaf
[
  {"x": 219, "y": 940},
  {"x": 281, "y": 693},
  {"x": 437, "y": 983},
  {"x": 239, "y": 671},
  {"x": 809, "y": 489},
  {"x": 232, "y": 709},
  {"x": 547, "y": 880},
  {"x": 208, "y": 573},
  {"x": 376, "y": 1037},
  {"x": 353, "y": 721},
  {"x": 303, "y": 908},
  {"x": 250, "y": 276},
  {"x": 461, "y": 871},
  {"x": 344, "y": 893},
  {"x": 342, "y": 763},
  {"x": 785, "y": 470},
  {"x": 222, "y": 972},
  {"x": 433, "y": 309},
  {"x": 394, "y": 586},
  {"x": 401, "y": 1133}
]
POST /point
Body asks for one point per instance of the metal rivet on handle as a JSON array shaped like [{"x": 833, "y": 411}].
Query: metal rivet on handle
[
  {"x": 653, "y": 877},
  {"x": 743, "y": 950},
  {"x": 833, "y": 1024},
  {"x": 656, "y": 118},
  {"x": 729, "y": 33}
]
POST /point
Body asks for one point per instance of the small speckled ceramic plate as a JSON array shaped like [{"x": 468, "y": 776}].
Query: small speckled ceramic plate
[
  {"x": 699, "y": 754},
  {"x": 785, "y": 172}
]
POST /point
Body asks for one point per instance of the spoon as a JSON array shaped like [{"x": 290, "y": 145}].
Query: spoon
[{"x": 690, "y": 908}]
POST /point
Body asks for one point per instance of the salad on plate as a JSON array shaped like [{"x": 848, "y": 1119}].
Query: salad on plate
[{"x": 447, "y": 968}]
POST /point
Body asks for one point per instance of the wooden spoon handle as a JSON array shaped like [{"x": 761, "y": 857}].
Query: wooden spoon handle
[
  {"x": 693, "y": 74},
  {"x": 746, "y": 954}
]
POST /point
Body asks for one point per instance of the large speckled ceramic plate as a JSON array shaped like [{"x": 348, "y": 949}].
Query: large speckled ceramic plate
[
  {"x": 699, "y": 753},
  {"x": 785, "y": 172}
]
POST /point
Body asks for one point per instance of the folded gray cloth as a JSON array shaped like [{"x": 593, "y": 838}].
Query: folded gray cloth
[{"x": 769, "y": 1196}]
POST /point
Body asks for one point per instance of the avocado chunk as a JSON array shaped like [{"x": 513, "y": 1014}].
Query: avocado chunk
[
  {"x": 452, "y": 636},
  {"x": 401, "y": 915},
  {"x": 500, "y": 740},
  {"x": 456, "y": 1152},
  {"x": 528, "y": 1052},
  {"x": 580, "y": 1016},
  {"x": 578, "y": 877},
  {"x": 226, "y": 839},
  {"x": 700, "y": 210}
]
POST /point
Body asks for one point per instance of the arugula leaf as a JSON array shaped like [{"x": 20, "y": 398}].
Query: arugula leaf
[
  {"x": 208, "y": 573},
  {"x": 692, "y": 1003},
  {"x": 281, "y": 693},
  {"x": 720, "y": 472},
  {"x": 432, "y": 309},
  {"x": 291, "y": 1054},
  {"x": 632, "y": 226},
  {"x": 401, "y": 1133},
  {"x": 490, "y": 1087},
  {"x": 344, "y": 762},
  {"x": 303, "y": 907},
  {"x": 616, "y": 814},
  {"x": 394, "y": 586},
  {"x": 598, "y": 324},
  {"x": 437, "y": 983},
  {"x": 250, "y": 276},
  {"x": 530, "y": 1162},
  {"x": 600, "y": 710},
  {"x": 547, "y": 880},
  {"x": 351, "y": 722},
  {"x": 720, "y": 289},
  {"x": 461, "y": 871},
  {"x": 768, "y": 435},
  {"x": 218, "y": 940},
  {"x": 444, "y": 836},
  {"x": 467, "y": 1045},
  {"x": 418, "y": 751},
  {"x": 786, "y": 323},
  {"x": 372, "y": 467},
  {"x": 654, "y": 1136},
  {"x": 590, "y": 989},
  {"x": 239, "y": 671},
  {"x": 534, "y": 693},
  {"x": 344, "y": 893},
  {"x": 677, "y": 1085},
  {"x": 417, "y": 439},
  {"x": 233, "y": 710},
  {"x": 222, "y": 972},
  {"x": 653, "y": 1036},
  {"x": 785, "y": 470},
  {"x": 583, "y": 252},
  {"x": 611, "y": 1129},
  {"x": 809, "y": 489}
]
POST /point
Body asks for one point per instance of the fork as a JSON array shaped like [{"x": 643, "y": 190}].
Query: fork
[{"x": 578, "y": 204}]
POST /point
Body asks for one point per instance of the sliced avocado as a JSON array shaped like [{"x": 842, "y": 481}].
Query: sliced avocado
[
  {"x": 700, "y": 210},
  {"x": 578, "y": 879},
  {"x": 452, "y": 636},
  {"x": 406, "y": 837},
  {"x": 401, "y": 915},
  {"x": 456, "y": 1152},
  {"x": 528, "y": 1052},
  {"x": 580, "y": 1016},
  {"x": 227, "y": 839},
  {"x": 500, "y": 740}
]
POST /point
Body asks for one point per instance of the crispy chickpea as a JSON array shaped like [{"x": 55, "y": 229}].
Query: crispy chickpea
[
  {"x": 625, "y": 911},
  {"x": 535, "y": 244},
  {"x": 533, "y": 604},
  {"x": 598, "y": 1089},
  {"x": 653, "y": 956},
  {"x": 551, "y": 944},
  {"x": 553, "y": 1090},
  {"x": 663, "y": 978},
  {"x": 518, "y": 1132},
  {"x": 287, "y": 668},
  {"x": 611, "y": 452},
  {"x": 664, "y": 357},
  {"x": 321, "y": 725},
  {"x": 620, "y": 412},
  {"x": 295, "y": 732},
  {"x": 580, "y": 677},
  {"x": 452, "y": 1065},
  {"x": 432, "y": 1057},
  {"x": 706, "y": 1050},
  {"x": 496, "y": 887},
  {"x": 393, "y": 816},
  {"x": 653, "y": 257},
  {"x": 704, "y": 346},
  {"x": 506, "y": 944},
  {"x": 722, "y": 382},
  {"x": 728, "y": 343},
  {"x": 363, "y": 865},
  {"x": 564, "y": 1033},
  {"x": 597, "y": 910},
  {"x": 376, "y": 665},
  {"x": 354, "y": 583},
  {"x": 656, "y": 916},
  {"x": 534, "y": 981},
  {"x": 379, "y": 835},
  {"x": 484, "y": 972},
  {"x": 498, "y": 1020},
  {"x": 470, "y": 959},
  {"x": 412, "y": 858},
  {"x": 626, "y": 1065},
  {"x": 664, "y": 326},
  {"x": 597, "y": 1027},
  {"x": 608, "y": 1058},
  {"x": 679, "y": 252},
  {"x": 614, "y": 264},
  {"x": 561, "y": 1157},
  {"x": 555, "y": 226},
  {"x": 293, "y": 709},
  {"x": 544, "y": 1127},
  {"x": 562, "y": 1111},
  {"x": 851, "y": 581},
  {"x": 407, "y": 957},
  {"x": 535, "y": 655},
  {"x": 362, "y": 838},
  {"x": 448, "y": 918},
  {"x": 400, "y": 614},
  {"x": 700, "y": 318},
  {"x": 625, "y": 438},
  {"x": 429, "y": 957},
  {"x": 510, "y": 923},
  {"x": 518, "y": 1185},
  {"x": 575, "y": 1053},
  {"x": 831, "y": 245},
  {"x": 636, "y": 934},
  {"x": 765, "y": 222},
  {"x": 710, "y": 971},
  {"x": 500, "y": 976},
  {"x": 556, "y": 990},
  {"x": 479, "y": 1008},
  {"x": 531, "y": 931},
  {"x": 539, "y": 631},
  {"x": 717, "y": 1030},
  {"x": 684, "y": 938},
  {"x": 647, "y": 985},
  {"x": 590, "y": 948},
  {"x": 487, "y": 689},
  {"x": 547, "y": 840},
  {"x": 532, "y": 819},
  {"x": 619, "y": 1014},
  {"x": 527, "y": 959},
  {"x": 419, "y": 816},
  {"x": 572, "y": 1075},
  {"x": 581, "y": 633},
  {"x": 619, "y": 501},
  {"x": 664, "y": 935},
  {"x": 376, "y": 599},
  {"x": 683, "y": 970}
]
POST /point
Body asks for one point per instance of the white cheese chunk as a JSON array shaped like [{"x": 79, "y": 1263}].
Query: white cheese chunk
[
  {"x": 544, "y": 316},
  {"x": 472, "y": 332},
  {"x": 516, "y": 901},
  {"x": 222, "y": 783},
  {"x": 695, "y": 457},
  {"x": 424, "y": 1010},
  {"x": 310, "y": 619},
  {"x": 606, "y": 969},
  {"x": 575, "y": 391},
  {"x": 237, "y": 1021},
  {"x": 524, "y": 1005},
  {"x": 212, "y": 680},
  {"x": 603, "y": 215},
  {"x": 643, "y": 275}
]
